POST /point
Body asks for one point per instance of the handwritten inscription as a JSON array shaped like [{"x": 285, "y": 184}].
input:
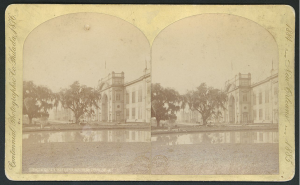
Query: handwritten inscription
[
  {"x": 12, "y": 162},
  {"x": 12, "y": 86},
  {"x": 288, "y": 90},
  {"x": 289, "y": 153},
  {"x": 289, "y": 94},
  {"x": 289, "y": 33}
]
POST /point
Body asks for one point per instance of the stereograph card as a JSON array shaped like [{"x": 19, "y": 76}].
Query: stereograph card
[{"x": 150, "y": 92}]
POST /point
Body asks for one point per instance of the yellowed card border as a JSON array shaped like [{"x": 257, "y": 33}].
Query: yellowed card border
[{"x": 20, "y": 20}]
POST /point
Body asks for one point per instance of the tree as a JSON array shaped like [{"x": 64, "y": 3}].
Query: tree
[
  {"x": 80, "y": 99},
  {"x": 164, "y": 103},
  {"x": 37, "y": 100},
  {"x": 206, "y": 100}
]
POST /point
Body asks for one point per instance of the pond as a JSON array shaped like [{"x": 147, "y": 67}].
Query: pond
[
  {"x": 242, "y": 137},
  {"x": 87, "y": 136}
]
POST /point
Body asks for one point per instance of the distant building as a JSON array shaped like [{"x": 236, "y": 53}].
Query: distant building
[
  {"x": 247, "y": 103},
  {"x": 61, "y": 114},
  {"x": 189, "y": 116}
]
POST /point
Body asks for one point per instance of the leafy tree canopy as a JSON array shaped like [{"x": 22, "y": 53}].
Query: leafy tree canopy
[
  {"x": 164, "y": 103},
  {"x": 79, "y": 98},
  {"x": 206, "y": 100},
  {"x": 37, "y": 100}
]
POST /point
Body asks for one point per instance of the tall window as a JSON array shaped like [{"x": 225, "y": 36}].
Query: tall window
[
  {"x": 140, "y": 112},
  {"x": 260, "y": 98},
  {"x": 261, "y": 136},
  {"x": 133, "y": 97},
  {"x": 275, "y": 95},
  {"x": 140, "y": 94},
  {"x": 254, "y": 99},
  {"x": 267, "y": 113},
  {"x": 244, "y": 82},
  {"x": 276, "y": 91},
  {"x": 267, "y": 96},
  {"x": 260, "y": 114},
  {"x": 127, "y": 113},
  {"x": 149, "y": 92},
  {"x": 118, "y": 81},
  {"x": 254, "y": 114},
  {"x": 245, "y": 97},
  {"x": 118, "y": 96},
  {"x": 127, "y": 98},
  {"x": 127, "y": 134},
  {"x": 133, "y": 113}
]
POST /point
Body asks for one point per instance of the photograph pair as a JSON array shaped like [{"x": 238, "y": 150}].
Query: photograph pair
[{"x": 152, "y": 94}]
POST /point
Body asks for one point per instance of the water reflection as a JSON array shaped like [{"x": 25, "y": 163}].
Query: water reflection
[
  {"x": 216, "y": 138},
  {"x": 88, "y": 136}
]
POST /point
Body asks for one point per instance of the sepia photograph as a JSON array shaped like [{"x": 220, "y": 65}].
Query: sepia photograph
[
  {"x": 149, "y": 92},
  {"x": 215, "y": 97},
  {"x": 86, "y": 97}
]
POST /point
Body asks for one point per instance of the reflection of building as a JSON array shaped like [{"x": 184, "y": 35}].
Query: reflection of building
[
  {"x": 88, "y": 136},
  {"x": 121, "y": 101},
  {"x": 217, "y": 138},
  {"x": 247, "y": 103}
]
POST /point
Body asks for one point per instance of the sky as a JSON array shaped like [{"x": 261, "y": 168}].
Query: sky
[
  {"x": 211, "y": 48},
  {"x": 84, "y": 47}
]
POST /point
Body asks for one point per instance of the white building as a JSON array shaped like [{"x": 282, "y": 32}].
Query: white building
[
  {"x": 247, "y": 102},
  {"x": 120, "y": 102},
  {"x": 125, "y": 102}
]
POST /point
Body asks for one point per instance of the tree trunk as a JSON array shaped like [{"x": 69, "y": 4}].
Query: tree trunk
[
  {"x": 30, "y": 119},
  {"x": 77, "y": 121},
  {"x": 157, "y": 121},
  {"x": 204, "y": 120}
]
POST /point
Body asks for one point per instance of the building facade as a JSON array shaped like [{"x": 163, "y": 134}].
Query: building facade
[
  {"x": 252, "y": 103},
  {"x": 119, "y": 102},
  {"x": 124, "y": 102},
  {"x": 247, "y": 102}
]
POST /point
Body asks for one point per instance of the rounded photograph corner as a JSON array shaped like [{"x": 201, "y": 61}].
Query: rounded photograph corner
[
  {"x": 10, "y": 175},
  {"x": 9, "y": 8},
  {"x": 291, "y": 10},
  {"x": 288, "y": 177}
]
